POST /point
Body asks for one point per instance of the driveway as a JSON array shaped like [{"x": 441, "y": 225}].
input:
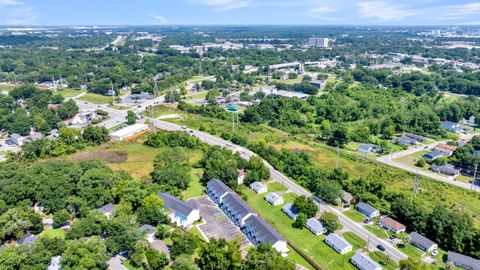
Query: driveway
[{"x": 217, "y": 225}]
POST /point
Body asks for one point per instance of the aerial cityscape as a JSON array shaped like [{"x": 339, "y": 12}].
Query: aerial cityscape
[{"x": 225, "y": 134}]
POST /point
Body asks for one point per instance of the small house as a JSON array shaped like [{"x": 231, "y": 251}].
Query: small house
[
  {"x": 148, "y": 231},
  {"x": 404, "y": 140},
  {"x": 241, "y": 177},
  {"x": 347, "y": 197},
  {"x": 445, "y": 148},
  {"x": 416, "y": 137},
  {"x": 364, "y": 262},
  {"x": 17, "y": 139},
  {"x": 315, "y": 226},
  {"x": 368, "y": 148},
  {"x": 423, "y": 243},
  {"x": 290, "y": 211},
  {"x": 434, "y": 154},
  {"x": 338, "y": 243},
  {"x": 274, "y": 198},
  {"x": 367, "y": 210},
  {"x": 182, "y": 213},
  {"x": 38, "y": 207},
  {"x": 463, "y": 261},
  {"x": 258, "y": 187},
  {"x": 55, "y": 263},
  {"x": 107, "y": 210},
  {"x": 447, "y": 169},
  {"x": 391, "y": 224},
  {"x": 27, "y": 239}
]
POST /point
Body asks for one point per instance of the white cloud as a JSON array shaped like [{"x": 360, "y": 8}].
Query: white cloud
[
  {"x": 323, "y": 10},
  {"x": 13, "y": 12},
  {"x": 467, "y": 9},
  {"x": 224, "y": 5},
  {"x": 159, "y": 19},
  {"x": 384, "y": 11}
]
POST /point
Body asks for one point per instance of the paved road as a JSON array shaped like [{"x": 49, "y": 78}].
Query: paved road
[
  {"x": 389, "y": 160},
  {"x": 348, "y": 224}
]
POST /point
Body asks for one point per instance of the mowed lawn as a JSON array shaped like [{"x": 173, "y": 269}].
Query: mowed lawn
[
  {"x": 313, "y": 246},
  {"x": 96, "y": 99},
  {"x": 69, "y": 92},
  {"x": 54, "y": 233},
  {"x": 354, "y": 215}
]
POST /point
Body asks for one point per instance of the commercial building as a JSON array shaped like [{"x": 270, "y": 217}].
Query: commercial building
[
  {"x": 364, "y": 262},
  {"x": 127, "y": 131},
  {"x": 338, "y": 243},
  {"x": 182, "y": 213},
  {"x": 318, "y": 42}
]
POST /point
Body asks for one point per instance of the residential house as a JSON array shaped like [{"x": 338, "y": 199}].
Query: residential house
[
  {"x": 217, "y": 190},
  {"x": 258, "y": 187},
  {"x": 116, "y": 263},
  {"x": 423, "y": 243},
  {"x": 107, "y": 210},
  {"x": 55, "y": 263},
  {"x": 149, "y": 232},
  {"x": 368, "y": 148},
  {"x": 445, "y": 148},
  {"x": 27, "y": 239},
  {"x": 17, "y": 139},
  {"x": 274, "y": 198},
  {"x": 290, "y": 211},
  {"x": 38, "y": 207},
  {"x": 258, "y": 231},
  {"x": 447, "y": 169},
  {"x": 454, "y": 127},
  {"x": 404, "y": 140},
  {"x": 364, "y": 262},
  {"x": 347, "y": 197},
  {"x": 241, "y": 177},
  {"x": 471, "y": 120},
  {"x": 315, "y": 226},
  {"x": 338, "y": 243},
  {"x": 416, "y": 137},
  {"x": 236, "y": 209},
  {"x": 182, "y": 213},
  {"x": 391, "y": 224},
  {"x": 434, "y": 154},
  {"x": 367, "y": 210},
  {"x": 463, "y": 261}
]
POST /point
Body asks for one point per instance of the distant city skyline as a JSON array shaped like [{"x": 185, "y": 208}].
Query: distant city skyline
[{"x": 218, "y": 12}]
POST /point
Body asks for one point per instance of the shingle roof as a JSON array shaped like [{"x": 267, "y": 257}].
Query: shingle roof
[
  {"x": 218, "y": 187},
  {"x": 463, "y": 260},
  {"x": 106, "y": 209},
  {"x": 337, "y": 241},
  {"x": 272, "y": 197},
  {"x": 392, "y": 224},
  {"x": 421, "y": 240},
  {"x": 315, "y": 225},
  {"x": 257, "y": 186},
  {"x": 290, "y": 210},
  {"x": 434, "y": 154},
  {"x": 262, "y": 229},
  {"x": 366, "y": 207},
  {"x": 236, "y": 204},
  {"x": 346, "y": 196},
  {"x": 27, "y": 239},
  {"x": 365, "y": 261},
  {"x": 176, "y": 204}
]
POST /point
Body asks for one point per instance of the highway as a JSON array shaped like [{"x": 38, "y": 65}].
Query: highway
[{"x": 118, "y": 116}]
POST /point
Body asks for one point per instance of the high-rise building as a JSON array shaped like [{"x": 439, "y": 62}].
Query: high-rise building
[{"x": 318, "y": 42}]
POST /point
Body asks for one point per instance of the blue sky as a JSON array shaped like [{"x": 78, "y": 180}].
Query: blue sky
[{"x": 321, "y": 12}]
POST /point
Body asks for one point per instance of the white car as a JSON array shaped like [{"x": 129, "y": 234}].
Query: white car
[{"x": 434, "y": 252}]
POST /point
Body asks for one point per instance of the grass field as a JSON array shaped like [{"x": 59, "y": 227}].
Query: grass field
[
  {"x": 69, "y": 92},
  {"x": 376, "y": 230},
  {"x": 313, "y": 246},
  {"x": 54, "y": 233},
  {"x": 195, "y": 188},
  {"x": 96, "y": 99},
  {"x": 276, "y": 187},
  {"x": 355, "y": 240},
  {"x": 383, "y": 260},
  {"x": 354, "y": 215},
  {"x": 410, "y": 250}
]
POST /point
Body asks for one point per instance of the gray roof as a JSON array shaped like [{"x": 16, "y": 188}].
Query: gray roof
[
  {"x": 346, "y": 196},
  {"x": 405, "y": 140},
  {"x": 434, "y": 154},
  {"x": 148, "y": 228},
  {"x": 315, "y": 226},
  {"x": 27, "y": 239},
  {"x": 15, "y": 136},
  {"x": 290, "y": 210},
  {"x": 218, "y": 187},
  {"x": 237, "y": 205},
  {"x": 338, "y": 241},
  {"x": 106, "y": 209},
  {"x": 417, "y": 238},
  {"x": 445, "y": 169},
  {"x": 365, "y": 148},
  {"x": 366, "y": 207},
  {"x": 415, "y": 137},
  {"x": 365, "y": 261},
  {"x": 463, "y": 260},
  {"x": 257, "y": 186},
  {"x": 263, "y": 230},
  {"x": 176, "y": 204},
  {"x": 272, "y": 197}
]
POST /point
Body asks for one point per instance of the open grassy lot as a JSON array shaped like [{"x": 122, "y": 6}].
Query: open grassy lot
[
  {"x": 410, "y": 250},
  {"x": 54, "y": 233},
  {"x": 313, "y": 246},
  {"x": 383, "y": 260},
  {"x": 276, "y": 187},
  {"x": 376, "y": 230},
  {"x": 354, "y": 215},
  {"x": 355, "y": 240},
  {"x": 69, "y": 92},
  {"x": 195, "y": 188},
  {"x": 96, "y": 99},
  {"x": 7, "y": 87}
]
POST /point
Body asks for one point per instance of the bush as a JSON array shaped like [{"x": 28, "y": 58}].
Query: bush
[{"x": 420, "y": 163}]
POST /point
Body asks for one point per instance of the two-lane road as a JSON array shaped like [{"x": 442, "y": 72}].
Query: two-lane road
[{"x": 348, "y": 224}]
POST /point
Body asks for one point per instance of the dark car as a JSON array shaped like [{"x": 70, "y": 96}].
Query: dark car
[{"x": 381, "y": 247}]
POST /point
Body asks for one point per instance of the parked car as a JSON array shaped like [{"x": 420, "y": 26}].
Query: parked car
[
  {"x": 381, "y": 247},
  {"x": 434, "y": 252},
  {"x": 367, "y": 221}
]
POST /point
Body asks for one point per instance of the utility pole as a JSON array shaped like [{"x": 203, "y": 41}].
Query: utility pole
[
  {"x": 171, "y": 99},
  {"x": 474, "y": 178}
]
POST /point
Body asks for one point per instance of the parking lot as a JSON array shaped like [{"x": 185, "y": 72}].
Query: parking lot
[{"x": 217, "y": 224}]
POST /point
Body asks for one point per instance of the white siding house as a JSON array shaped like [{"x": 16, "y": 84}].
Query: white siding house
[
  {"x": 364, "y": 262},
  {"x": 258, "y": 187},
  {"x": 274, "y": 199},
  {"x": 182, "y": 213},
  {"x": 338, "y": 243}
]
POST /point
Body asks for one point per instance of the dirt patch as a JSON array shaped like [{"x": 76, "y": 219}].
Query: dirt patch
[{"x": 107, "y": 156}]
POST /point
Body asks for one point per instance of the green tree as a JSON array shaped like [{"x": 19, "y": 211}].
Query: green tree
[
  {"x": 84, "y": 254},
  {"x": 156, "y": 260},
  {"x": 137, "y": 254},
  {"x": 131, "y": 117},
  {"x": 329, "y": 191},
  {"x": 265, "y": 257},
  {"x": 331, "y": 222},
  {"x": 152, "y": 211},
  {"x": 184, "y": 262},
  {"x": 256, "y": 170},
  {"x": 420, "y": 163},
  {"x": 60, "y": 218},
  {"x": 183, "y": 243},
  {"x": 219, "y": 255},
  {"x": 306, "y": 205},
  {"x": 300, "y": 221}
]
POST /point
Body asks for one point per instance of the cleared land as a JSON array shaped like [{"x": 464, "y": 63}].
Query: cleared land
[{"x": 96, "y": 99}]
